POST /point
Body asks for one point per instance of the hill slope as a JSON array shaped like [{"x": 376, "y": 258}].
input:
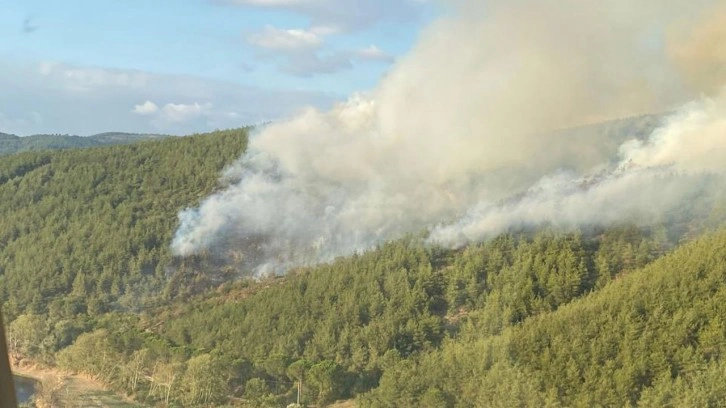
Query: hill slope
[
  {"x": 611, "y": 315},
  {"x": 548, "y": 319},
  {"x": 344, "y": 325},
  {"x": 11, "y": 144},
  {"x": 653, "y": 338},
  {"x": 82, "y": 228}
]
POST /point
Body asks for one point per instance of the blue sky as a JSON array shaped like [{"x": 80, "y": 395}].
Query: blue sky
[{"x": 184, "y": 66}]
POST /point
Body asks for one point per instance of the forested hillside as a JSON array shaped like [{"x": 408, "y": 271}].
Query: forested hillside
[
  {"x": 544, "y": 319},
  {"x": 10, "y": 144},
  {"x": 654, "y": 338},
  {"x": 84, "y": 229},
  {"x": 607, "y": 315}
]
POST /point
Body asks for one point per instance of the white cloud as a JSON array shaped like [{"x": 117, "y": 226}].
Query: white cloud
[
  {"x": 314, "y": 62},
  {"x": 146, "y": 108},
  {"x": 325, "y": 30},
  {"x": 53, "y": 97},
  {"x": 274, "y": 38},
  {"x": 373, "y": 53},
  {"x": 179, "y": 112},
  {"x": 300, "y": 52}
]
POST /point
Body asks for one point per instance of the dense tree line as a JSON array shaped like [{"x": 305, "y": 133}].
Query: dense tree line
[
  {"x": 85, "y": 231},
  {"x": 11, "y": 144},
  {"x": 340, "y": 328},
  {"x": 653, "y": 338},
  {"x": 620, "y": 315},
  {"x": 360, "y": 315}
]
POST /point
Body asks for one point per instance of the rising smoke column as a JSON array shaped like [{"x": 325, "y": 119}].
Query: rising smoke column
[{"x": 461, "y": 136}]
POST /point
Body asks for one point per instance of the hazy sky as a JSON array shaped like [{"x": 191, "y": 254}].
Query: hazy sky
[{"x": 186, "y": 66}]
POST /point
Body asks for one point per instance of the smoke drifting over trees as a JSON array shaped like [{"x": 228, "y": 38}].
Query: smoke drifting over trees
[{"x": 461, "y": 138}]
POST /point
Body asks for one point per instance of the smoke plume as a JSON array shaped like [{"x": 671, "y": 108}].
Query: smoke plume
[{"x": 502, "y": 116}]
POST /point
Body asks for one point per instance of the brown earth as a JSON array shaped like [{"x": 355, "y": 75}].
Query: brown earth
[{"x": 63, "y": 389}]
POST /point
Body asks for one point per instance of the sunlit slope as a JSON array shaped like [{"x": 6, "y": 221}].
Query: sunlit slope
[
  {"x": 11, "y": 144},
  {"x": 360, "y": 315},
  {"x": 538, "y": 319},
  {"x": 82, "y": 228},
  {"x": 652, "y": 338},
  {"x": 599, "y": 314}
]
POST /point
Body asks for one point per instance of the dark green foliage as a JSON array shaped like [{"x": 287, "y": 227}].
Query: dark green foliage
[
  {"x": 604, "y": 317},
  {"x": 86, "y": 231},
  {"x": 416, "y": 325},
  {"x": 11, "y": 144},
  {"x": 369, "y": 314},
  {"x": 653, "y": 338}
]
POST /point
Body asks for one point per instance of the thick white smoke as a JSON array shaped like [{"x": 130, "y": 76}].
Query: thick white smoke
[
  {"x": 465, "y": 136},
  {"x": 678, "y": 168}
]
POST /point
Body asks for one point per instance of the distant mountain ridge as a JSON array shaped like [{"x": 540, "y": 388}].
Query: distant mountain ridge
[{"x": 10, "y": 144}]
